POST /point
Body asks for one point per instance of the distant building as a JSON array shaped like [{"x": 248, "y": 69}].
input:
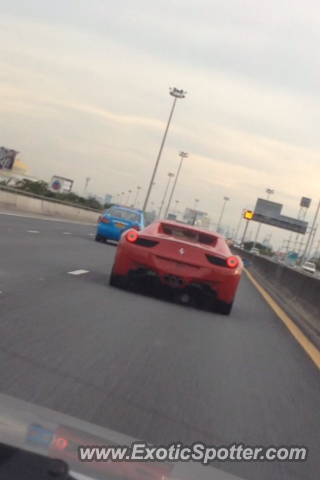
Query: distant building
[
  {"x": 107, "y": 198},
  {"x": 190, "y": 214},
  {"x": 204, "y": 222},
  {"x": 20, "y": 171}
]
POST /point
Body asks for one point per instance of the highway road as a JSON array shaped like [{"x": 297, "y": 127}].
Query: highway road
[{"x": 146, "y": 367}]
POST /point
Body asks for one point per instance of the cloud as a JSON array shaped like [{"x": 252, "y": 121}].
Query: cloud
[{"x": 85, "y": 91}]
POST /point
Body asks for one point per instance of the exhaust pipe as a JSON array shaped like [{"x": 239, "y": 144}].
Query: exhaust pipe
[
  {"x": 180, "y": 281},
  {"x": 185, "y": 298},
  {"x": 166, "y": 278}
]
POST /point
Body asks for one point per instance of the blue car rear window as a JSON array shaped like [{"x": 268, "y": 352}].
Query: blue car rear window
[{"x": 124, "y": 214}]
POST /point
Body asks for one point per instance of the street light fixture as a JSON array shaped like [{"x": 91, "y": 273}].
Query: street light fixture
[
  {"x": 122, "y": 193},
  {"x": 175, "y": 209},
  {"x": 196, "y": 203},
  {"x": 182, "y": 155},
  {"x": 170, "y": 175},
  {"x": 226, "y": 199},
  {"x": 176, "y": 93},
  {"x": 269, "y": 192}
]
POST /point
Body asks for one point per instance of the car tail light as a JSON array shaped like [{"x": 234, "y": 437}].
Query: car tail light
[
  {"x": 132, "y": 236},
  {"x": 104, "y": 220},
  {"x": 232, "y": 262}
]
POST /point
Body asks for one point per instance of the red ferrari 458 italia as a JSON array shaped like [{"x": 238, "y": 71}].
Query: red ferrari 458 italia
[{"x": 194, "y": 264}]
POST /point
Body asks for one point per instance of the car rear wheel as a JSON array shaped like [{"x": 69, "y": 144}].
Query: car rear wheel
[
  {"x": 223, "y": 308},
  {"x": 99, "y": 238},
  {"x": 118, "y": 281}
]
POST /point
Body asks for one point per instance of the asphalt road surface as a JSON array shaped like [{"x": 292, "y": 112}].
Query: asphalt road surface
[{"x": 145, "y": 367}]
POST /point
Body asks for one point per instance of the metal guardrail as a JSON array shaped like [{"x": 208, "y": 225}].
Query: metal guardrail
[{"x": 48, "y": 199}]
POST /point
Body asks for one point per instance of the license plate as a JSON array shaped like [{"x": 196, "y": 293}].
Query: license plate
[{"x": 120, "y": 225}]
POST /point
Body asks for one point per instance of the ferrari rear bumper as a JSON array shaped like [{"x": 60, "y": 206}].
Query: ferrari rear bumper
[{"x": 172, "y": 284}]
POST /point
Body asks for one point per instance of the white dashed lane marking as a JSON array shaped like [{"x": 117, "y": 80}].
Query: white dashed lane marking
[
  {"x": 78, "y": 272},
  {"x": 66, "y": 233},
  {"x": 33, "y": 231},
  {"x": 91, "y": 234}
]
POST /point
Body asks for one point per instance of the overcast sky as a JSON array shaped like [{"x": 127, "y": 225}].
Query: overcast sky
[{"x": 84, "y": 91}]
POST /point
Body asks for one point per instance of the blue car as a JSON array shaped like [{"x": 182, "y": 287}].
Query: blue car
[{"x": 116, "y": 220}]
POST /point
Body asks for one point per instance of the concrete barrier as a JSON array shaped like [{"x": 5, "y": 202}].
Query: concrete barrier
[
  {"x": 28, "y": 203},
  {"x": 298, "y": 294}
]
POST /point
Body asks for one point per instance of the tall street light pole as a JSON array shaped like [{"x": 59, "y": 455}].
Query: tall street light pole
[
  {"x": 86, "y": 185},
  {"x": 127, "y": 202},
  {"x": 175, "y": 209},
  {"x": 135, "y": 200},
  {"x": 310, "y": 235},
  {"x": 176, "y": 93},
  {"x": 237, "y": 231},
  {"x": 122, "y": 193},
  {"x": 226, "y": 199},
  {"x": 195, "y": 211},
  {"x": 182, "y": 155},
  {"x": 269, "y": 192},
  {"x": 170, "y": 175}
]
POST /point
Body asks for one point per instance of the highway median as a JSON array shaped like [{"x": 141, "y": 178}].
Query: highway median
[{"x": 296, "y": 293}]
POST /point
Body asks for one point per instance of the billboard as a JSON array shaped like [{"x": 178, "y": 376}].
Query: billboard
[
  {"x": 248, "y": 214},
  {"x": 291, "y": 258},
  {"x": 305, "y": 202},
  {"x": 7, "y": 158},
  {"x": 269, "y": 213},
  {"x": 60, "y": 184},
  {"x": 190, "y": 214}
]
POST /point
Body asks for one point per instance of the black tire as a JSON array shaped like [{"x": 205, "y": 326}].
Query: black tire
[
  {"x": 99, "y": 238},
  {"x": 223, "y": 308},
  {"x": 117, "y": 281}
]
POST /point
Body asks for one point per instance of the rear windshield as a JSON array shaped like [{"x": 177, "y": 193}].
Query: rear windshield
[
  {"x": 124, "y": 214},
  {"x": 189, "y": 235}
]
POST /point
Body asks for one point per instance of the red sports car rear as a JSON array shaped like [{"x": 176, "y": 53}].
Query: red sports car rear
[{"x": 191, "y": 262}]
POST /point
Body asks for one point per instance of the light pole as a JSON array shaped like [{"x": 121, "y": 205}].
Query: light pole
[
  {"x": 241, "y": 217},
  {"x": 135, "y": 200},
  {"x": 129, "y": 193},
  {"x": 176, "y": 93},
  {"x": 122, "y": 193},
  {"x": 86, "y": 185},
  {"x": 226, "y": 199},
  {"x": 170, "y": 175},
  {"x": 195, "y": 212},
  {"x": 310, "y": 235},
  {"x": 269, "y": 192},
  {"x": 175, "y": 208},
  {"x": 182, "y": 155}
]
